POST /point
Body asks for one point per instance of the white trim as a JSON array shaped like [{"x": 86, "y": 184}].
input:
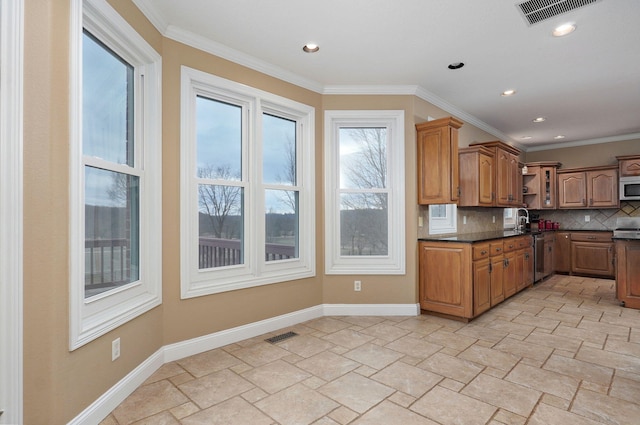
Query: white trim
[
  {"x": 610, "y": 139},
  {"x": 106, "y": 403},
  {"x": 11, "y": 210},
  {"x": 448, "y": 224},
  {"x": 395, "y": 261},
  {"x": 90, "y": 318},
  {"x": 255, "y": 271}
]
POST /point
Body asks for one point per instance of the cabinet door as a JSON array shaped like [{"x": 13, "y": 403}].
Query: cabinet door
[
  {"x": 497, "y": 272},
  {"x": 504, "y": 175},
  {"x": 486, "y": 173},
  {"x": 592, "y": 258},
  {"x": 563, "y": 252},
  {"x": 481, "y": 286},
  {"x": 628, "y": 273},
  {"x": 528, "y": 267},
  {"x": 602, "y": 188},
  {"x": 510, "y": 275},
  {"x": 445, "y": 284},
  {"x": 548, "y": 196},
  {"x": 572, "y": 190},
  {"x": 437, "y": 149}
]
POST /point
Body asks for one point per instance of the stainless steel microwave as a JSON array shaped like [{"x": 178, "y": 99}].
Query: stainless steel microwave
[{"x": 630, "y": 188}]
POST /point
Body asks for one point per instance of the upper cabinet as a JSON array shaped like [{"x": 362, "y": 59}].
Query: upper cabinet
[
  {"x": 629, "y": 165},
  {"x": 437, "y": 149},
  {"x": 594, "y": 187},
  {"x": 490, "y": 169},
  {"x": 539, "y": 185}
]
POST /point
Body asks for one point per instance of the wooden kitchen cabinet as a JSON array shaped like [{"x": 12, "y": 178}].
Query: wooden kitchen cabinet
[
  {"x": 477, "y": 177},
  {"x": 437, "y": 150},
  {"x": 628, "y": 272},
  {"x": 629, "y": 165},
  {"x": 507, "y": 175},
  {"x": 540, "y": 182},
  {"x": 592, "y": 253},
  {"x": 594, "y": 187},
  {"x": 563, "y": 252}
]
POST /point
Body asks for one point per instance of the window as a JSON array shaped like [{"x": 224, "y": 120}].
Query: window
[
  {"x": 509, "y": 217},
  {"x": 364, "y": 158},
  {"x": 115, "y": 173},
  {"x": 247, "y": 186},
  {"x": 443, "y": 219}
]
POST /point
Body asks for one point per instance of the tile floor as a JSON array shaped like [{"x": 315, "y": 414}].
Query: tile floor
[{"x": 560, "y": 353}]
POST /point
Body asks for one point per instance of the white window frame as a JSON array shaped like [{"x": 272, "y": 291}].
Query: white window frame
[
  {"x": 446, "y": 224},
  {"x": 395, "y": 261},
  {"x": 11, "y": 210},
  {"x": 509, "y": 218},
  {"x": 255, "y": 271},
  {"x": 97, "y": 315}
]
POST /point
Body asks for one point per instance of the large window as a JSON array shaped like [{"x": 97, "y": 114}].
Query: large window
[
  {"x": 247, "y": 210},
  {"x": 364, "y": 156},
  {"x": 115, "y": 174}
]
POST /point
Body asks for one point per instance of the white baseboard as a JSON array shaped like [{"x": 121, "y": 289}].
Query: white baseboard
[{"x": 106, "y": 403}]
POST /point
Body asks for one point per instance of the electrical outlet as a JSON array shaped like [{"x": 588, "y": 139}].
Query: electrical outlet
[
  {"x": 494, "y": 218},
  {"x": 115, "y": 349},
  {"x": 464, "y": 219},
  {"x": 420, "y": 221},
  {"x": 357, "y": 285},
  {"x": 587, "y": 218}
]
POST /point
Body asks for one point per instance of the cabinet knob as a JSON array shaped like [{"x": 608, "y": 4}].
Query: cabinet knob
[{"x": 483, "y": 252}]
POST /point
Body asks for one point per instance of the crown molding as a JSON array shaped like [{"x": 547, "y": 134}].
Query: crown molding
[
  {"x": 150, "y": 11},
  {"x": 609, "y": 139}
]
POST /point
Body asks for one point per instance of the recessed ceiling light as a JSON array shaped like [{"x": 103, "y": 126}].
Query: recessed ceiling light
[
  {"x": 526, "y": 137},
  {"x": 559, "y": 136},
  {"x": 311, "y": 48},
  {"x": 510, "y": 92},
  {"x": 539, "y": 119},
  {"x": 564, "y": 29},
  {"x": 456, "y": 65}
]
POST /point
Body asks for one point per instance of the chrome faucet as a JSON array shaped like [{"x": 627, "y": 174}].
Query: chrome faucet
[{"x": 521, "y": 226}]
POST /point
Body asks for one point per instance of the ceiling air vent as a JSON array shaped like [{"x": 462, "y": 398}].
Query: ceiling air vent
[{"x": 535, "y": 11}]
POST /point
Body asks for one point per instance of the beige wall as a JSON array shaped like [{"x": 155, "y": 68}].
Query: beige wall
[
  {"x": 588, "y": 155},
  {"x": 59, "y": 384}
]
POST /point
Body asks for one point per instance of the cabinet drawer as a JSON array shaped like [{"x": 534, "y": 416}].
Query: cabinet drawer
[
  {"x": 496, "y": 248},
  {"x": 524, "y": 242},
  {"x": 510, "y": 244},
  {"x": 481, "y": 251},
  {"x": 591, "y": 236}
]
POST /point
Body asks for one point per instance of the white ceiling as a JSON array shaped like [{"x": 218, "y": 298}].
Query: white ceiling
[{"x": 586, "y": 84}]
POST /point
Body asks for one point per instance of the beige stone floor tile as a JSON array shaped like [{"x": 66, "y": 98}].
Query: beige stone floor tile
[
  {"x": 408, "y": 379},
  {"x": 275, "y": 376},
  {"x": 343, "y": 415},
  {"x": 184, "y": 410},
  {"x": 363, "y": 321},
  {"x": 509, "y": 418},
  {"x": 450, "y": 324},
  {"x": 625, "y": 389},
  {"x": 207, "y": 362},
  {"x": 215, "y": 387},
  {"x": 232, "y": 411},
  {"x": 543, "y": 380},
  {"x": 254, "y": 395},
  {"x": 570, "y": 319},
  {"x": 365, "y": 370},
  {"x": 606, "y": 328},
  {"x": 585, "y": 335},
  {"x": 373, "y": 355},
  {"x": 296, "y": 405},
  {"x": 328, "y": 365},
  {"x": 554, "y": 401},
  {"x": 181, "y": 379},
  {"x": 325, "y": 420},
  {"x": 538, "y": 322},
  {"x": 419, "y": 326},
  {"x": 389, "y": 413},
  {"x": 328, "y": 324},
  {"x": 163, "y": 418},
  {"x": 451, "y": 384},
  {"x": 521, "y": 306},
  {"x": 385, "y": 332},
  {"x": 305, "y": 345},
  {"x": 314, "y": 382},
  {"x": 418, "y": 348},
  {"x": 554, "y": 341},
  {"x": 550, "y": 415},
  {"x": 524, "y": 349},
  {"x": 242, "y": 367},
  {"x": 261, "y": 353},
  {"x": 579, "y": 369},
  {"x": 148, "y": 400},
  {"x": 606, "y": 409},
  {"x": 356, "y": 392},
  {"x": 489, "y": 357},
  {"x": 496, "y": 373},
  {"x": 497, "y": 392},
  {"x": 451, "y": 408},
  {"x": 482, "y": 333},
  {"x": 339, "y": 350},
  {"x": 410, "y": 360},
  {"x": 511, "y": 327},
  {"x": 166, "y": 371},
  {"x": 609, "y": 359},
  {"x": 401, "y": 399},
  {"x": 452, "y": 367},
  {"x": 587, "y": 313},
  {"x": 621, "y": 347},
  {"x": 348, "y": 338},
  {"x": 450, "y": 340},
  {"x": 597, "y": 388}
]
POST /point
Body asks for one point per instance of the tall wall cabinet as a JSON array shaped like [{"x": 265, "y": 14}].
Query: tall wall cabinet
[
  {"x": 539, "y": 185},
  {"x": 437, "y": 149}
]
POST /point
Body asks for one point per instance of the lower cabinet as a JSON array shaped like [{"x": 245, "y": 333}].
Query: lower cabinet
[
  {"x": 467, "y": 279},
  {"x": 628, "y": 272},
  {"x": 563, "y": 252},
  {"x": 592, "y": 253}
]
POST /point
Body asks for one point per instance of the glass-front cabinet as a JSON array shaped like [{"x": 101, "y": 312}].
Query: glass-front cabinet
[{"x": 539, "y": 185}]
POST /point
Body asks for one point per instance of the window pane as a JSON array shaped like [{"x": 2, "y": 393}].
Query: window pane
[
  {"x": 363, "y": 158},
  {"x": 278, "y": 150},
  {"x": 112, "y": 226},
  {"x": 363, "y": 224},
  {"x": 221, "y": 226},
  {"x": 281, "y": 225},
  {"x": 438, "y": 211},
  {"x": 107, "y": 104},
  {"x": 219, "y": 139}
]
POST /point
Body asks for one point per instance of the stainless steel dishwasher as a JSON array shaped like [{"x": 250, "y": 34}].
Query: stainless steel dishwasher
[{"x": 543, "y": 255}]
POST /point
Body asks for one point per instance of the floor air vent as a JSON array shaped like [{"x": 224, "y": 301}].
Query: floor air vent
[
  {"x": 281, "y": 337},
  {"x": 535, "y": 11}
]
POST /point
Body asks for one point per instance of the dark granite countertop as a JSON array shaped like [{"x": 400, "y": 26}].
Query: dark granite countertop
[{"x": 477, "y": 237}]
